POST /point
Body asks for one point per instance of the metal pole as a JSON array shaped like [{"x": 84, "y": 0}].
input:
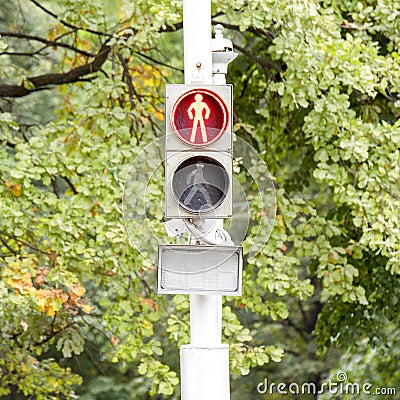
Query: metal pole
[
  {"x": 197, "y": 41},
  {"x": 205, "y": 361}
]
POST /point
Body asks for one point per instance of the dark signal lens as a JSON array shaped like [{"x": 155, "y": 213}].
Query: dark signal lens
[{"x": 200, "y": 184}]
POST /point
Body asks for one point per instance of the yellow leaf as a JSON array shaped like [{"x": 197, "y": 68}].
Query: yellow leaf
[
  {"x": 50, "y": 311},
  {"x": 86, "y": 308},
  {"x": 159, "y": 115},
  {"x": 147, "y": 325},
  {"x": 24, "y": 367},
  {"x": 17, "y": 190},
  {"x": 22, "y": 285},
  {"x": 41, "y": 304},
  {"x": 63, "y": 297},
  {"x": 43, "y": 294},
  {"x": 76, "y": 291},
  {"x": 28, "y": 84}
]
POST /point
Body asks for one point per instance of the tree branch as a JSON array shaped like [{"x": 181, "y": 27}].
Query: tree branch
[
  {"x": 70, "y": 184},
  {"x": 45, "y": 41},
  {"x": 128, "y": 79},
  {"x": 25, "y": 243},
  {"x": 67, "y": 24},
  {"x": 11, "y": 250},
  {"x": 257, "y": 32},
  {"x": 53, "y": 334},
  {"x": 46, "y": 81},
  {"x": 159, "y": 62},
  {"x": 267, "y": 65}
]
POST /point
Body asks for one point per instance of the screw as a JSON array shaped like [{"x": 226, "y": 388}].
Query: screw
[{"x": 198, "y": 64}]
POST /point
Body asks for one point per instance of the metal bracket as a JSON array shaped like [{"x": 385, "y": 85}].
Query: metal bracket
[{"x": 205, "y": 232}]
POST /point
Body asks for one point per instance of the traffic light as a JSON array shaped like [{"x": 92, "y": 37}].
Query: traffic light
[{"x": 198, "y": 171}]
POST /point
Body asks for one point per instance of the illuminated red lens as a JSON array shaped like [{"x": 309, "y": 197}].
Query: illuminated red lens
[{"x": 199, "y": 117}]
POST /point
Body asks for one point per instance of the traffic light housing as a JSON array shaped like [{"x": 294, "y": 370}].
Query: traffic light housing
[{"x": 198, "y": 147}]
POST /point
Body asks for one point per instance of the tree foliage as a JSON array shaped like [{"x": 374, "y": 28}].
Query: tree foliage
[{"x": 316, "y": 91}]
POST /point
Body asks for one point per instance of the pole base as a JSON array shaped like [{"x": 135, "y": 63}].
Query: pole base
[{"x": 205, "y": 372}]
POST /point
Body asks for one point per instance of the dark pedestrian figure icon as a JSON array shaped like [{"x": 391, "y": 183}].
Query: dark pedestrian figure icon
[{"x": 197, "y": 181}]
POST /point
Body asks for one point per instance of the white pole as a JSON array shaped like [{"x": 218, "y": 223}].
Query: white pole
[
  {"x": 205, "y": 361},
  {"x": 197, "y": 41},
  {"x": 205, "y": 319}
]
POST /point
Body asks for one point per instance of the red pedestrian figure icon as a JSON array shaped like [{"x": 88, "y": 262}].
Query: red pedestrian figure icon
[{"x": 198, "y": 106}]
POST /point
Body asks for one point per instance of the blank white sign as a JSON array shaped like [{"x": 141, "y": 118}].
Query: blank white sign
[{"x": 192, "y": 269}]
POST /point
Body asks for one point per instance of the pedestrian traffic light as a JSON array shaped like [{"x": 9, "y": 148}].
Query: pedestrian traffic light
[{"x": 198, "y": 171}]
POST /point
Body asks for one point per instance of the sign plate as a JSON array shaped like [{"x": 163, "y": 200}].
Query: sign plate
[{"x": 191, "y": 269}]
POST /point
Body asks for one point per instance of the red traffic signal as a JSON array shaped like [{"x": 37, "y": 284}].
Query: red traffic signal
[
  {"x": 199, "y": 117},
  {"x": 198, "y": 150}
]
